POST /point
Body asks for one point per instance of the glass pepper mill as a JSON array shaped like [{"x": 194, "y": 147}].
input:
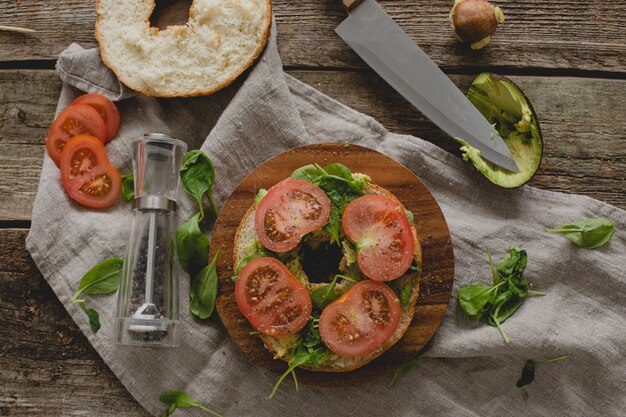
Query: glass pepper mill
[{"x": 147, "y": 304}]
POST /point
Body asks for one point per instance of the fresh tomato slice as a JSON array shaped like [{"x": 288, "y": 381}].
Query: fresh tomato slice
[
  {"x": 383, "y": 236},
  {"x": 87, "y": 175},
  {"x": 106, "y": 109},
  {"x": 290, "y": 210},
  {"x": 272, "y": 298},
  {"x": 361, "y": 320},
  {"x": 74, "y": 120}
]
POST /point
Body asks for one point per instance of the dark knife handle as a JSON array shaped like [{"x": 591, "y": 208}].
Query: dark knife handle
[{"x": 350, "y": 4}]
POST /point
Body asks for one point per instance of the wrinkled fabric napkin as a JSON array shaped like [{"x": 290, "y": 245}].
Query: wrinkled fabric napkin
[{"x": 468, "y": 371}]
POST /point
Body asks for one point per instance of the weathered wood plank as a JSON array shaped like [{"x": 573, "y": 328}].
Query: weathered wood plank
[
  {"x": 47, "y": 365},
  {"x": 572, "y": 34},
  {"x": 585, "y": 144}
]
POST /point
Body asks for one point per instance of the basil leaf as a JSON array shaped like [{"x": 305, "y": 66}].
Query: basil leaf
[
  {"x": 528, "y": 374},
  {"x": 587, "y": 233},
  {"x": 128, "y": 186},
  {"x": 180, "y": 399},
  {"x": 203, "y": 290},
  {"x": 92, "y": 315},
  {"x": 192, "y": 246},
  {"x": 197, "y": 174},
  {"x": 404, "y": 369},
  {"x": 104, "y": 278}
]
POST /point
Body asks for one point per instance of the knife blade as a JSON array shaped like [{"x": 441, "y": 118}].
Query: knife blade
[{"x": 389, "y": 51}]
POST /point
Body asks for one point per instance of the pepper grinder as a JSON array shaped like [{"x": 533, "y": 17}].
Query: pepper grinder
[{"x": 147, "y": 304}]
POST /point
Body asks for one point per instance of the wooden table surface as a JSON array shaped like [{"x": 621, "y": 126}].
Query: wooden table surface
[{"x": 568, "y": 56}]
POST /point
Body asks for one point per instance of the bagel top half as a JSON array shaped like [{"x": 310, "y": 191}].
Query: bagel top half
[
  {"x": 281, "y": 347},
  {"x": 219, "y": 41}
]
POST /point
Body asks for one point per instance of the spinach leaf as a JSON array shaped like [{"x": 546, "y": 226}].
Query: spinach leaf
[
  {"x": 404, "y": 369},
  {"x": 528, "y": 372},
  {"x": 324, "y": 294},
  {"x": 192, "y": 246},
  {"x": 92, "y": 315},
  {"x": 587, "y": 233},
  {"x": 502, "y": 299},
  {"x": 180, "y": 399},
  {"x": 203, "y": 290},
  {"x": 128, "y": 186},
  {"x": 197, "y": 174},
  {"x": 308, "y": 350},
  {"x": 104, "y": 278}
]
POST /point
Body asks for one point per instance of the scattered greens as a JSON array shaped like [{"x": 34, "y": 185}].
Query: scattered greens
[
  {"x": 197, "y": 175},
  {"x": 180, "y": 399},
  {"x": 203, "y": 290},
  {"x": 587, "y": 233},
  {"x": 308, "y": 350},
  {"x": 404, "y": 369},
  {"x": 528, "y": 372},
  {"x": 340, "y": 186},
  {"x": 192, "y": 246},
  {"x": 128, "y": 186},
  {"x": 326, "y": 294},
  {"x": 501, "y": 299},
  {"x": 104, "y": 278}
]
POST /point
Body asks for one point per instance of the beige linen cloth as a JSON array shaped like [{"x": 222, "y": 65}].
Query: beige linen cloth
[{"x": 468, "y": 371}]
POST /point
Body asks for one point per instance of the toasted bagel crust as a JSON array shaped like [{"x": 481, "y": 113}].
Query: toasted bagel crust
[{"x": 281, "y": 346}]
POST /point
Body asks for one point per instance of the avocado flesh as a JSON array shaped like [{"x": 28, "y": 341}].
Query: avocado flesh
[{"x": 505, "y": 106}]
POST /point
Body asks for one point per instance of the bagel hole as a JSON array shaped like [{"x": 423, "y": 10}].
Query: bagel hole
[
  {"x": 321, "y": 263},
  {"x": 170, "y": 13}
]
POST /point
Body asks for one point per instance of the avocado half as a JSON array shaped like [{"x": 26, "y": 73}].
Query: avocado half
[{"x": 504, "y": 105}]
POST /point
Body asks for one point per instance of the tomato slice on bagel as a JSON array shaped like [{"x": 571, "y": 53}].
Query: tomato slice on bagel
[
  {"x": 272, "y": 298},
  {"x": 290, "y": 210},
  {"x": 381, "y": 231},
  {"x": 105, "y": 108},
  {"x": 87, "y": 175},
  {"x": 361, "y": 320},
  {"x": 72, "y": 121}
]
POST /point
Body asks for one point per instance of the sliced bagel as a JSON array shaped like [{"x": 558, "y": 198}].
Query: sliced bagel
[
  {"x": 281, "y": 346},
  {"x": 221, "y": 39}
]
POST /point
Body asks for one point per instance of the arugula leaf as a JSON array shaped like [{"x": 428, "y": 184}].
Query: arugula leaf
[
  {"x": 180, "y": 399},
  {"x": 197, "y": 174},
  {"x": 404, "y": 369},
  {"x": 104, "y": 278},
  {"x": 203, "y": 290},
  {"x": 128, "y": 186},
  {"x": 308, "y": 350},
  {"x": 587, "y": 233},
  {"x": 192, "y": 246},
  {"x": 92, "y": 315},
  {"x": 502, "y": 299},
  {"x": 528, "y": 372}
]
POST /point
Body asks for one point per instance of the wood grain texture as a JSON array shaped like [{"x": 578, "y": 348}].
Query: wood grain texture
[
  {"x": 437, "y": 269},
  {"x": 47, "y": 366},
  {"x": 582, "y": 121},
  {"x": 571, "y": 34}
]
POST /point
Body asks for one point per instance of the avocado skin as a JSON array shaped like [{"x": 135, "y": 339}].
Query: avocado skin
[{"x": 528, "y": 156}]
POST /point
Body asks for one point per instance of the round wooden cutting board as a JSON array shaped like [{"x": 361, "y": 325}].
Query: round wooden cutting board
[{"x": 437, "y": 263}]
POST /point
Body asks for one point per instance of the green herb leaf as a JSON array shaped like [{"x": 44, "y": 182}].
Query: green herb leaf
[
  {"x": 259, "y": 252},
  {"x": 128, "y": 186},
  {"x": 404, "y": 369},
  {"x": 92, "y": 315},
  {"x": 475, "y": 299},
  {"x": 180, "y": 399},
  {"x": 324, "y": 294},
  {"x": 587, "y": 233},
  {"x": 192, "y": 246},
  {"x": 104, "y": 278},
  {"x": 203, "y": 290},
  {"x": 528, "y": 372},
  {"x": 259, "y": 196},
  {"x": 197, "y": 174},
  {"x": 409, "y": 215}
]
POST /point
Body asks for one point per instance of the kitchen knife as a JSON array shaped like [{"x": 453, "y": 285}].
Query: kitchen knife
[{"x": 384, "y": 46}]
